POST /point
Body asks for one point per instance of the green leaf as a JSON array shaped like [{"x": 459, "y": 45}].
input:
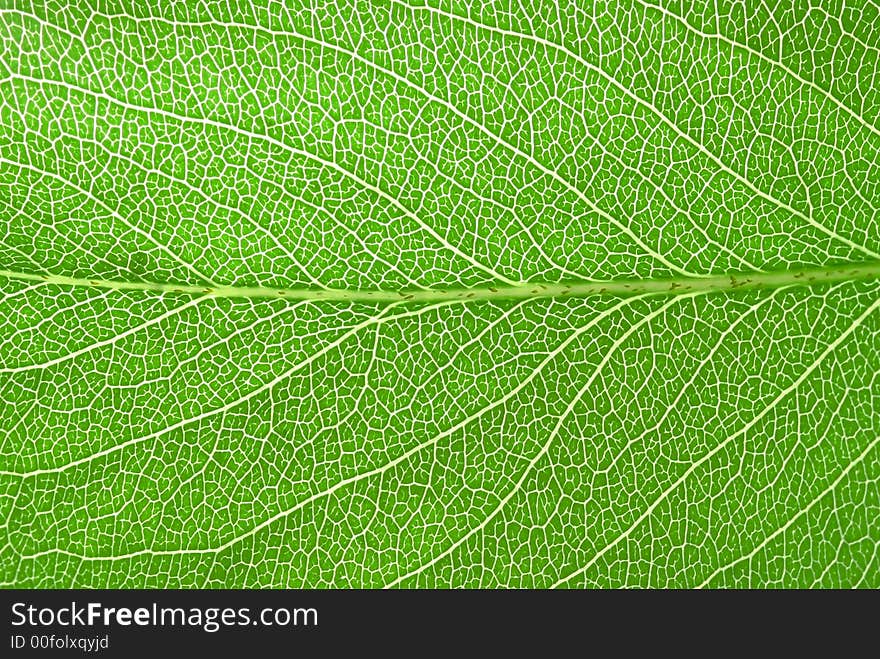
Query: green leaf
[{"x": 397, "y": 294}]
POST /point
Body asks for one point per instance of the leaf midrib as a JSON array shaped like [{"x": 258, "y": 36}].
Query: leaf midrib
[{"x": 526, "y": 290}]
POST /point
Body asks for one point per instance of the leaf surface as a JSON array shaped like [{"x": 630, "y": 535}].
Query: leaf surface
[{"x": 448, "y": 294}]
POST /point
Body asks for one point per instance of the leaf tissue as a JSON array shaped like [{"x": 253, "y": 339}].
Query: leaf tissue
[{"x": 439, "y": 293}]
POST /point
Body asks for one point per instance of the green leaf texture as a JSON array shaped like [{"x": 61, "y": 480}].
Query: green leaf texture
[{"x": 445, "y": 294}]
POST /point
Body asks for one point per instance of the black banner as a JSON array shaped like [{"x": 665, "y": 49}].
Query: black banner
[{"x": 403, "y": 623}]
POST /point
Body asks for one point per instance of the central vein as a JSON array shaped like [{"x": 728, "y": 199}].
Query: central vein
[{"x": 731, "y": 282}]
